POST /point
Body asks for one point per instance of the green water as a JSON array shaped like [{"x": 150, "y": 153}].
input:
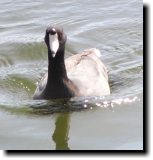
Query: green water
[{"x": 106, "y": 123}]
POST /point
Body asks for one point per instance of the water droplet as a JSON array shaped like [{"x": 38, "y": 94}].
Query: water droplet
[
  {"x": 85, "y": 105},
  {"x": 86, "y": 100},
  {"x": 126, "y": 100},
  {"x": 98, "y": 104},
  {"x": 112, "y": 105},
  {"x": 105, "y": 102}
]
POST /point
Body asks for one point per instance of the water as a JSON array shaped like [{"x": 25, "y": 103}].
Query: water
[{"x": 109, "y": 123}]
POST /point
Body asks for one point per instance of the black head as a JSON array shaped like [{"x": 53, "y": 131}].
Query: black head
[{"x": 55, "y": 39}]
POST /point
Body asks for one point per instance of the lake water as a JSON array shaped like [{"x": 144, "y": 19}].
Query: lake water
[{"x": 113, "y": 122}]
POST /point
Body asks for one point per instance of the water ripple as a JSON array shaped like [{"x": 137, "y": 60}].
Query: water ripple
[{"x": 117, "y": 30}]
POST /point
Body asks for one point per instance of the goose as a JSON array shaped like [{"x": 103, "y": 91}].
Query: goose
[{"x": 82, "y": 74}]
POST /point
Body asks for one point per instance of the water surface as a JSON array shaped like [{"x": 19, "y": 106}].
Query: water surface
[{"x": 107, "y": 123}]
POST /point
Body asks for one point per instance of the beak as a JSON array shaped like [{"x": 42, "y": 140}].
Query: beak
[{"x": 53, "y": 54}]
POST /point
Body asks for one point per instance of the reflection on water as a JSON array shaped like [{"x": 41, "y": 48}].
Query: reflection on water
[{"x": 60, "y": 135}]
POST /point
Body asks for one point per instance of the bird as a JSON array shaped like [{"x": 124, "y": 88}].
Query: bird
[{"x": 82, "y": 74}]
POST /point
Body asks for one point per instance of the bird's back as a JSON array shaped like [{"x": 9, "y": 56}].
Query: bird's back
[{"x": 88, "y": 73}]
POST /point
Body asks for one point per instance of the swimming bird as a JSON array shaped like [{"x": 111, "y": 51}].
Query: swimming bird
[{"x": 82, "y": 74}]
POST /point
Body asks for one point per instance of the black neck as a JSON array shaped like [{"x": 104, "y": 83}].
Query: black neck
[{"x": 56, "y": 67}]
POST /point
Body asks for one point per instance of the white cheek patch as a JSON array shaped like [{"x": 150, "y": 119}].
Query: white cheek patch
[{"x": 53, "y": 43}]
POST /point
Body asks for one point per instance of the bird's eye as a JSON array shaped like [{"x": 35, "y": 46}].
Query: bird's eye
[{"x": 52, "y": 32}]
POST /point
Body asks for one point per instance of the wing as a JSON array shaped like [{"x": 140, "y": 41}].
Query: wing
[
  {"x": 88, "y": 73},
  {"x": 41, "y": 86}
]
